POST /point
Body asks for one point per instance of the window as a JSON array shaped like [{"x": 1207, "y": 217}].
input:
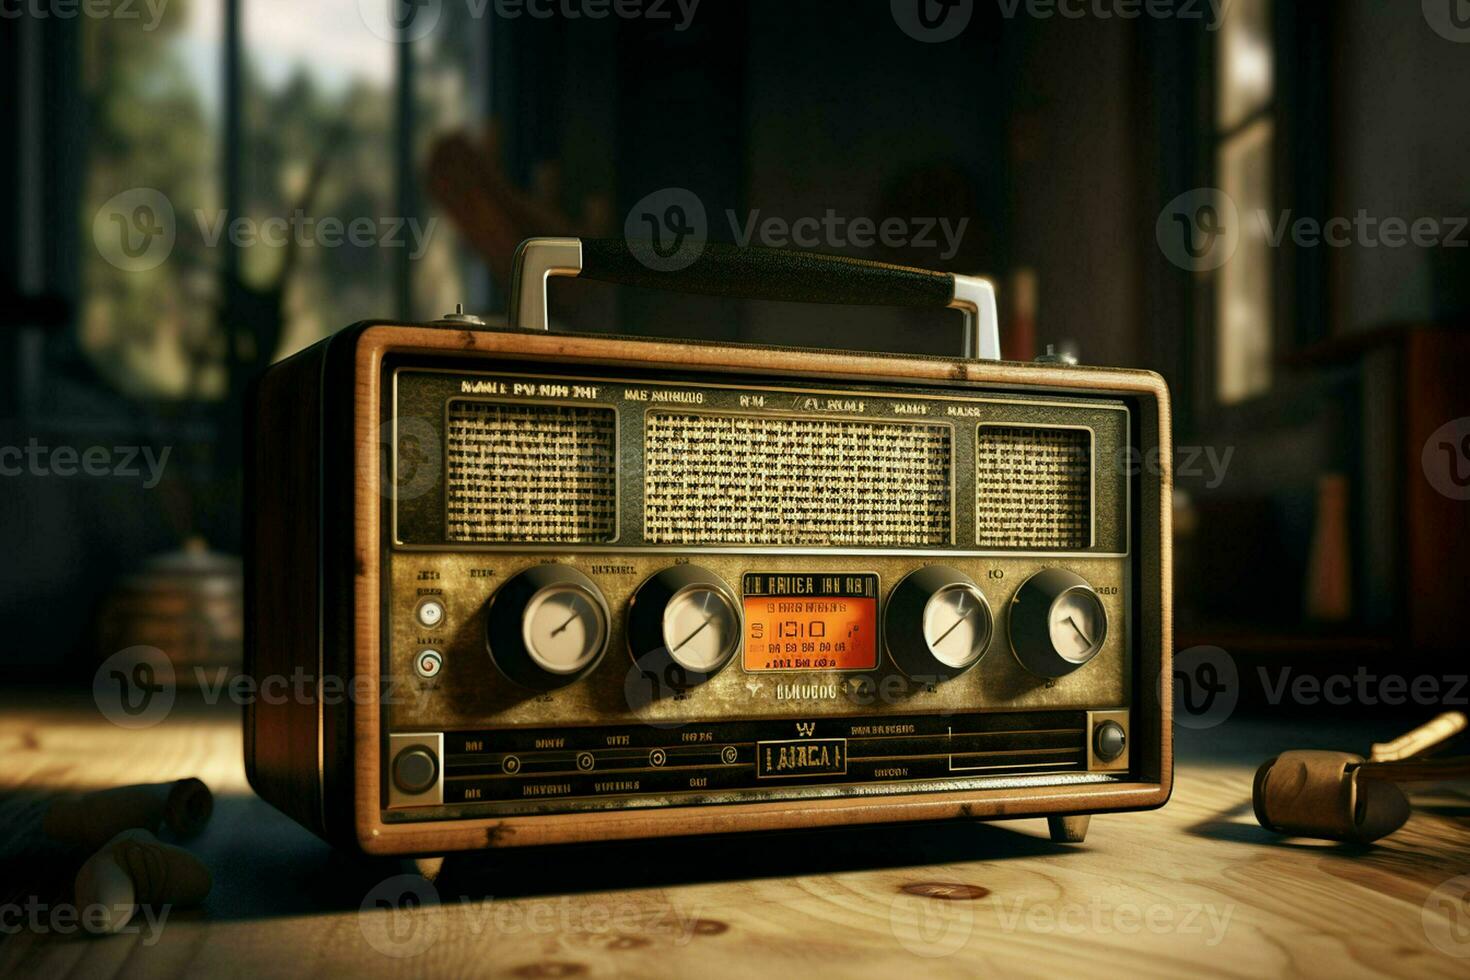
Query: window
[
  {"x": 1244, "y": 159},
  {"x": 327, "y": 224},
  {"x": 151, "y": 99}
]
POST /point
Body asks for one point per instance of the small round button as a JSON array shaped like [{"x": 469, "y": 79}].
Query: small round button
[
  {"x": 428, "y": 664},
  {"x": 430, "y": 613},
  {"x": 415, "y": 770},
  {"x": 1109, "y": 740}
]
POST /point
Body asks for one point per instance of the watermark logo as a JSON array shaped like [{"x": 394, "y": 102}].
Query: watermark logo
[
  {"x": 125, "y": 462},
  {"x": 1211, "y": 12},
  {"x": 135, "y": 230},
  {"x": 1206, "y": 687},
  {"x": 1199, "y": 230},
  {"x": 650, "y": 682},
  {"x": 1446, "y": 459},
  {"x": 1363, "y": 688},
  {"x": 1363, "y": 230},
  {"x": 415, "y": 468},
  {"x": 1098, "y": 917},
  {"x": 97, "y": 918},
  {"x": 134, "y": 688},
  {"x": 409, "y": 20},
  {"x": 667, "y": 230},
  {"x": 1450, "y": 19},
  {"x": 932, "y": 21},
  {"x": 1207, "y": 463},
  {"x": 401, "y": 916},
  {"x": 91, "y": 9},
  {"x": 405, "y": 915},
  {"x": 1446, "y": 917},
  {"x": 400, "y": 20},
  {"x": 934, "y": 919}
]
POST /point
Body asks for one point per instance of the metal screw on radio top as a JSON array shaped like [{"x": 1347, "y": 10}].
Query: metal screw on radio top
[
  {"x": 1054, "y": 356},
  {"x": 461, "y": 318}
]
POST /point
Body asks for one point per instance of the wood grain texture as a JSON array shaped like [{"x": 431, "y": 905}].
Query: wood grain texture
[{"x": 1195, "y": 889}]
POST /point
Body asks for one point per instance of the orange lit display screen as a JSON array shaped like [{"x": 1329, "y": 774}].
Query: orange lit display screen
[{"x": 811, "y": 622}]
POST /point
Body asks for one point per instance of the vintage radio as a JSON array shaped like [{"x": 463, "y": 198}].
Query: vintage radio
[{"x": 536, "y": 587}]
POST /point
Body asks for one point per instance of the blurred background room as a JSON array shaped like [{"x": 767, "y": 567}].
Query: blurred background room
[{"x": 1143, "y": 191}]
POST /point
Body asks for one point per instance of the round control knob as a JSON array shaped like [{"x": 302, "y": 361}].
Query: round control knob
[
  {"x": 546, "y": 626},
  {"x": 415, "y": 770},
  {"x": 685, "y": 624},
  {"x": 1058, "y": 623},
  {"x": 938, "y": 624},
  {"x": 1109, "y": 740}
]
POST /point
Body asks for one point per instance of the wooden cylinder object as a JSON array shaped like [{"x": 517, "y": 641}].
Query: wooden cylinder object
[
  {"x": 86, "y": 821},
  {"x": 136, "y": 869},
  {"x": 1319, "y": 794}
]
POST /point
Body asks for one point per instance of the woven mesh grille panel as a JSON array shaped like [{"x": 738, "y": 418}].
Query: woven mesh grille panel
[
  {"x": 1033, "y": 488},
  {"x": 531, "y": 473},
  {"x": 747, "y": 480}
]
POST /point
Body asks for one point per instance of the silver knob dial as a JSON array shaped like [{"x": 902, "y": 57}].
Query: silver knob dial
[
  {"x": 685, "y": 624},
  {"x": 546, "y": 626},
  {"x": 938, "y": 624},
  {"x": 1057, "y": 623}
]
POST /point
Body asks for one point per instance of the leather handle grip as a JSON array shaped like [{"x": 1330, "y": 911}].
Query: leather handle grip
[
  {"x": 753, "y": 273},
  {"x": 770, "y": 274}
]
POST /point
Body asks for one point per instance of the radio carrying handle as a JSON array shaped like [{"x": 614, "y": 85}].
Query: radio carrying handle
[{"x": 752, "y": 273}]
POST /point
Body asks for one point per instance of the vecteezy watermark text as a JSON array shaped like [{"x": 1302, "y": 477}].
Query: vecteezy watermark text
[
  {"x": 1200, "y": 230},
  {"x": 91, "y": 9},
  {"x": 124, "y": 462},
  {"x": 834, "y": 230},
  {"x": 136, "y": 687},
  {"x": 1189, "y": 462},
  {"x": 1365, "y": 687},
  {"x": 65, "y": 919},
  {"x": 1211, "y": 12},
  {"x": 667, "y": 230},
  {"x": 137, "y": 229},
  {"x": 406, "y": 21},
  {"x": 306, "y": 231},
  {"x": 404, "y": 916}
]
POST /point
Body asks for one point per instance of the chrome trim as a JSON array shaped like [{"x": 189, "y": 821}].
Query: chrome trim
[
  {"x": 975, "y": 298},
  {"x": 536, "y": 260}
]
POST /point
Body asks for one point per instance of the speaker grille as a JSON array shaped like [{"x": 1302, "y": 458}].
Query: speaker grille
[
  {"x": 716, "y": 479},
  {"x": 1033, "y": 488},
  {"x": 539, "y": 473}
]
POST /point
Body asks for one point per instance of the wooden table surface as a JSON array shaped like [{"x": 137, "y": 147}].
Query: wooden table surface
[{"x": 1193, "y": 889}]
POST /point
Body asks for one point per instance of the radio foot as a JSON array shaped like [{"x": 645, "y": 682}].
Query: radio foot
[
  {"x": 429, "y": 867},
  {"x": 1068, "y": 830}
]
